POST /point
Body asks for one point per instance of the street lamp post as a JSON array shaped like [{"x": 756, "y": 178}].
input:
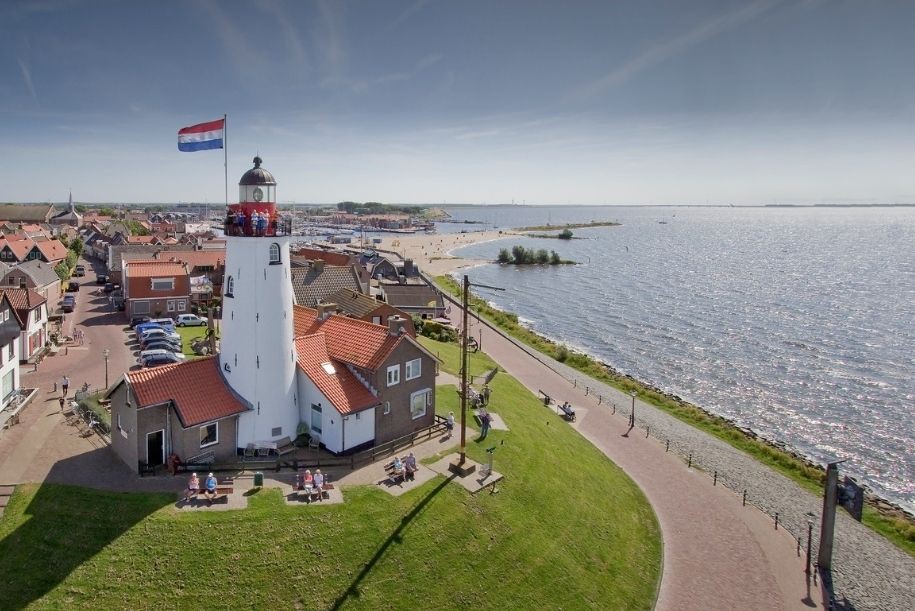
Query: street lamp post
[
  {"x": 106, "y": 353},
  {"x": 632, "y": 394},
  {"x": 810, "y": 517}
]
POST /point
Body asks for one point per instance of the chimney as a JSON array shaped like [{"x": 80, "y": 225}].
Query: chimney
[
  {"x": 318, "y": 265},
  {"x": 325, "y": 310},
  {"x": 395, "y": 325}
]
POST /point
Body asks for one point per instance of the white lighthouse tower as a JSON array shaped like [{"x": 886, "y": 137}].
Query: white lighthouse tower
[{"x": 257, "y": 354}]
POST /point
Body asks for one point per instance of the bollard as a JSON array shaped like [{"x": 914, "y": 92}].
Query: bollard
[
  {"x": 776, "y": 520},
  {"x": 689, "y": 465},
  {"x": 715, "y": 479},
  {"x": 587, "y": 391},
  {"x": 667, "y": 449},
  {"x": 647, "y": 429},
  {"x": 798, "y": 552},
  {"x": 575, "y": 382},
  {"x": 745, "y": 497},
  {"x": 614, "y": 409},
  {"x": 55, "y": 387},
  {"x": 600, "y": 399}
]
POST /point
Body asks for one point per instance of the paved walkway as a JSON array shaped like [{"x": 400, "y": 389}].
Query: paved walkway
[{"x": 718, "y": 554}]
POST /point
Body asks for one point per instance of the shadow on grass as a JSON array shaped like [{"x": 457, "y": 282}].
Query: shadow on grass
[
  {"x": 395, "y": 537},
  {"x": 64, "y": 526}
]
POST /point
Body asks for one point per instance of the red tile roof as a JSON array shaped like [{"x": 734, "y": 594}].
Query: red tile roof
[
  {"x": 352, "y": 341},
  {"x": 18, "y": 245},
  {"x": 197, "y": 389},
  {"x": 194, "y": 258},
  {"x": 329, "y": 257},
  {"x": 342, "y": 389},
  {"x": 149, "y": 268},
  {"x": 141, "y": 239},
  {"x": 53, "y": 250},
  {"x": 23, "y": 302}
]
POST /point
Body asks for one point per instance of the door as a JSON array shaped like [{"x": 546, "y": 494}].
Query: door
[
  {"x": 155, "y": 448},
  {"x": 315, "y": 420}
]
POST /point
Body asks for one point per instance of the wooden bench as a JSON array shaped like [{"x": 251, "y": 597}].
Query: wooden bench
[
  {"x": 393, "y": 475},
  {"x": 567, "y": 412},
  {"x": 300, "y": 489},
  {"x": 223, "y": 488}
]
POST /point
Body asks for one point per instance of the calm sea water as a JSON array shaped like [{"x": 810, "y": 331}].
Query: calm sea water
[{"x": 796, "y": 323}]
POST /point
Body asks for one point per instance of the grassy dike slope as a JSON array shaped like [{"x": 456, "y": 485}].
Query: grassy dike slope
[{"x": 567, "y": 530}]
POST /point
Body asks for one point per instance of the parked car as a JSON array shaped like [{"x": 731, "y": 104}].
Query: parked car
[
  {"x": 68, "y": 304},
  {"x": 80, "y": 270},
  {"x": 165, "y": 322},
  {"x": 101, "y": 279},
  {"x": 163, "y": 358},
  {"x": 152, "y": 324},
  {"x": 151, "y": 353},
  {"x": 73, "y": 286},
  {"x": 154, "y": 334},
  {"x": 163, "y": 344},
  {"x": 190, "y": 320},
  {"x": 138, "y": 320}
]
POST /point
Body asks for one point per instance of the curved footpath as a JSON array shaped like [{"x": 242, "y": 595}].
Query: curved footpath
[{"x": 718, "y": 554}]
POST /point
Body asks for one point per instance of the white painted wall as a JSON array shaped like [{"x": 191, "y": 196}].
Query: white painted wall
[
  {"x": 358, "y": 430},
  {"x": 9, "y": 364},
  {"x": 257, "y": 353}
]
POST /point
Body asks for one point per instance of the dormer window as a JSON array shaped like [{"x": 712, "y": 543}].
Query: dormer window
[{"x": 274, "y": 254}]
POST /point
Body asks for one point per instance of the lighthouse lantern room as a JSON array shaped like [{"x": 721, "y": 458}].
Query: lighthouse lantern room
[{"x": 257, "y": 354}]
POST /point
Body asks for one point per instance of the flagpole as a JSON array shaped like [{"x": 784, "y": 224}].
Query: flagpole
[{"x": 225, "y": 153}]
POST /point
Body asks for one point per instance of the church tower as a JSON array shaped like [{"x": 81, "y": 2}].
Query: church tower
[{"x": 257, "y": 354}]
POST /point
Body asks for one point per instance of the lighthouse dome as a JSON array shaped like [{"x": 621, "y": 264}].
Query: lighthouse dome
[{"x": 257, "y": 175}]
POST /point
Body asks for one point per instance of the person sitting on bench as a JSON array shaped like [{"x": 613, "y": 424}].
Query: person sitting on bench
[
  {"x": 397, "y": 467},
  {"x": 210, "y": 488},
  {"x": 410, "y": 466},
  {"x": 567, "y": 410},
  {"x": 318, "y": 482},
  {"x": 193, "y": 487}
]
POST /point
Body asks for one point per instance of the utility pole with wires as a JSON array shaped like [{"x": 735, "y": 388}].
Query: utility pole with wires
[{"x": 460, "y": 467}]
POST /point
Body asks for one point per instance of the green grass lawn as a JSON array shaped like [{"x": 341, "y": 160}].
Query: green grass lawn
[
  {"x": 567, "y": 530},
  {"x": 187, "y": 334}
]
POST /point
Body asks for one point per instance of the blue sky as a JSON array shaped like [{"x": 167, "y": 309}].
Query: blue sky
[{"x": 473, "y": 101}]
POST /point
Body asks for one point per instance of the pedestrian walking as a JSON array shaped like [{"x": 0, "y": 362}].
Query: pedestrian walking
[
  {"x": 65, "y": 385},
  {"x": 485, "y": 421},
  {"x": 62, "y": 401}
]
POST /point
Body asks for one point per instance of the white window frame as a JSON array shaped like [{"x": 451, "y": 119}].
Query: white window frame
[
  {"x": 387, "y": 408},
  {"x": 274, "y": 256},
  {"x": 182, "y": 305},
  {"x": 170, "y": 281},
  {"x": 393, "y": 375},
  {"x": 426, "y": 396},
  {"x": 206, "y": 426},
  {"x": 230, "y": 286},
  {"x": 170, "y": 305},
  {"x": 414, "y": 369}
]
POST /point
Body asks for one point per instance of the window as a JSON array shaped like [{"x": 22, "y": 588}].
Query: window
[
  {"x": 182, "y": 305},
  {"x": 387, "y": 408},
  {"x": 12, "y": 347},
  {"x": 141, "y": 307},
  {"x": 376, "y": 320},
  {"x": 316, "y": 418},
  {"x": 230, "y": 286},
  {"x": 274, "y": 253},
  {"x": 21, "y": 282},
  {"x": 209, "y": 435},
  {"x": 170, "y": 305},
  {"x": 163, "y": 284},
  {"x": 393, "y": 375},
  {"x": 419, "y": 401},
  {"x": 414, "y": 369},
  {"x": 38, "y": 315}
]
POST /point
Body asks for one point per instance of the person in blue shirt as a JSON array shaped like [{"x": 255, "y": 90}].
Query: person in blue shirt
[{"x": 210, "y": 486}]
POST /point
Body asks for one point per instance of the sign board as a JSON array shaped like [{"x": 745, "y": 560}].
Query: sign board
[{"x": 851, "y": 497}]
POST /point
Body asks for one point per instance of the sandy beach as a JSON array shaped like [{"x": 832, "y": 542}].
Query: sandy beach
[{"x": 431, "y": 250}]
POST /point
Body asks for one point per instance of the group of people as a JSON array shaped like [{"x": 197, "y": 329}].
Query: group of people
[
  {"x": 406, "y": 467},
  {"x": 308, "y": 481},
  {"x": 193, "y": 488},
  {"x": 259, "y": 223}
]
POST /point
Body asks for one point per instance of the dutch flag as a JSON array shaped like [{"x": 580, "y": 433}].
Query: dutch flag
[{"x": 202, "y": 137}]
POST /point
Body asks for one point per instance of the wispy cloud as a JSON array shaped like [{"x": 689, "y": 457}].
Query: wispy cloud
[
  {"x": 362, "y": 85},
  {"x": 409, "y": 12},
  {"x": 664, "y": 50},
  {"x": 290, "y": 34},
  {"x": 246, "y": 59},
  {"x": 329, "y": 38},
  {"x": 27, "y": 77}
]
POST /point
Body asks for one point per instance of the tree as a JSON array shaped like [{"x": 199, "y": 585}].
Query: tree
[
  {"x": 504, "y": 256},
  {"x": 518, "y": 254},
  {"x": 106, "y": 211},
  {"x": 542, "y": 256},
  {"x": 565, "y": 234},
  {"x": 554, "y": 258},
  {"x": 80, "y": 208},
  {"x": 76, "y": 245}
]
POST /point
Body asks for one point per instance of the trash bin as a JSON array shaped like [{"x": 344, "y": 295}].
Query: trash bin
[{"x": 258, "y": 479}]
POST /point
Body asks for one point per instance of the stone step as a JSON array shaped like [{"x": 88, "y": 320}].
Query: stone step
[
  {"x": 4, "y": 501},
  {"x": 6, "y": 490}
]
